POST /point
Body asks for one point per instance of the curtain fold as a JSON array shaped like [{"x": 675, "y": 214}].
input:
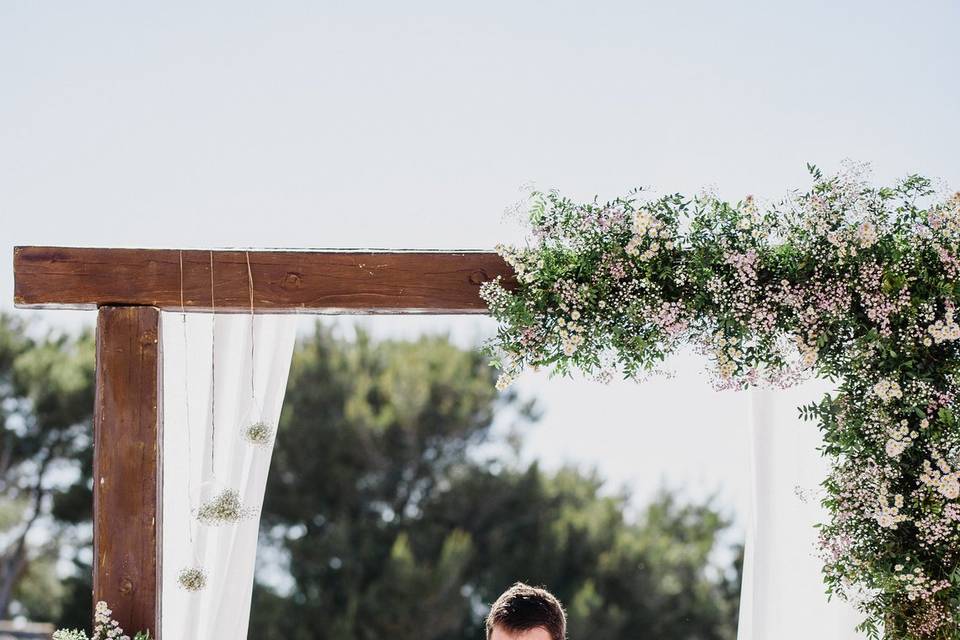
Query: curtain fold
[
  {"x": 783, "y": 593},
  {"x": 206, "y": 451}
]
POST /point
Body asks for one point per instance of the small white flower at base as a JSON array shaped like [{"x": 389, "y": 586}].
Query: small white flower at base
[
  {"x": 192, "y": 579},
  {"x": 104, "y": 628}
]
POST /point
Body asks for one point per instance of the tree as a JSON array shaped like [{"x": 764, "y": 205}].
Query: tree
[
  {"x": 391, "y": 509},
  {"x": 621, "y": 578},
  {"x": 46, "y": 405},
  {"x": 370, "y": 431},
  {"x": 392, "y": 524}
]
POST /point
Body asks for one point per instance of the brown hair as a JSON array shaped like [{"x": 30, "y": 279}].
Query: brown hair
[{"x": 522, "y": 608}]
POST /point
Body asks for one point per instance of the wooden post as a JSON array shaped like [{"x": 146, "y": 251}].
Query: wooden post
[{"x": 127, "y": 469}]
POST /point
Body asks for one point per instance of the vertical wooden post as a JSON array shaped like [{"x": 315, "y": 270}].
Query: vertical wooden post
[{"x": 127, "y": 481}]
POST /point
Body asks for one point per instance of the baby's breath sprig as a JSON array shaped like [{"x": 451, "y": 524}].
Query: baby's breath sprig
[
  {"x": 259, "y": 434},
  {"x": 192, "y": 579},
  {"x": 224, "y": 508}
]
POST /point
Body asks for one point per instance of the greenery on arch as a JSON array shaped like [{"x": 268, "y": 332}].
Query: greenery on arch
[{"x": 847, "y": 281}]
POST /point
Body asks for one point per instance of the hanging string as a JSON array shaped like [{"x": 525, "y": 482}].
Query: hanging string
[
  {"x": 213, "y": 372},
  {"x": 253, "y": 352},
  {"x": 186, "y": 403}
]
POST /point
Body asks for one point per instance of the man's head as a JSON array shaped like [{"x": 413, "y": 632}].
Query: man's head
[{"x": 526, "y": 613}]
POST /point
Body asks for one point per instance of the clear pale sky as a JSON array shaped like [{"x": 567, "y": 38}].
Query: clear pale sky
[{"x": 412, "y": 125}]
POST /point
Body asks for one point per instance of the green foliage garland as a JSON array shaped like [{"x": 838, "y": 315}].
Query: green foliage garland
[{"x": 850, "y": 282}]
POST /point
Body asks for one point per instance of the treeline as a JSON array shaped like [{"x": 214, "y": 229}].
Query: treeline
[{"x": 394, "y": 509}]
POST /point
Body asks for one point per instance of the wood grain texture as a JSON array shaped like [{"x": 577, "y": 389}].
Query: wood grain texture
[
  {"x": 127, "y": 480},
  {"x": 284, "y": 281}
]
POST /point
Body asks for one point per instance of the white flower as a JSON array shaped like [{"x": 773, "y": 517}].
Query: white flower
[
  {"x": 949, "y": 487},
  {"x": 888, "y": 516},
  {"x": 645, "y": 226},
  {"x": 504, "y": 381},
  {"x": 887, "y": 390},
  {"x": 946, "y": 330},
  {"x": 644, "y": 223},
  {"x": 104, "y": 627},
  {"x": 866, "y": 234},
  {"x": 895, "y": 447}
]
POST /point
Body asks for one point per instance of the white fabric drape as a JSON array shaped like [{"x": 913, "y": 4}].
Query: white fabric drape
[
  {"x": 783, "y": 594},
  {"x": 193, "y": 472}
]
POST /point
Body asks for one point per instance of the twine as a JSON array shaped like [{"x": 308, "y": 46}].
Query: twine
[
  {"x": 213, "y": 373},
  {"x": 253, "y": 353},
  {"x": 186, "y": 402}
]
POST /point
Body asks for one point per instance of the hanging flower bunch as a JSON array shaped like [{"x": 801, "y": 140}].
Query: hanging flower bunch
[
  {"x": 192, "y": 579},
  {"x": 223, "y": 508},
  {"x": 104, "y": 628},
  {"x": 848, "y": 281},
  {"x": 258, "y": 433}
]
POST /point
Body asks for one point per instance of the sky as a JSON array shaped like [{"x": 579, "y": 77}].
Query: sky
[{"x": 417, "y": 124}]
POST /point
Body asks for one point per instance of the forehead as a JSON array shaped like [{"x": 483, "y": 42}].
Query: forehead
[{"x": 499, "y": 633}]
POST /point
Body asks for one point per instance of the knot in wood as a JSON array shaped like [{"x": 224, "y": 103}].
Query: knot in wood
[
  {"x": 126, "y": 586},
  {"x": 479, "y": 277},
  {"x": 292, "y": 280}
]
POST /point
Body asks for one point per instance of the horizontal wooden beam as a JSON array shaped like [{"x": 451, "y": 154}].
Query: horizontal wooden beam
[{"x": 283, "y": 281}]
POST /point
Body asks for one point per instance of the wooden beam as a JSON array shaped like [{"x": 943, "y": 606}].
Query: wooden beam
[
  {"x": 284, "y": 281},
  {"x": 127, "y": 466}
]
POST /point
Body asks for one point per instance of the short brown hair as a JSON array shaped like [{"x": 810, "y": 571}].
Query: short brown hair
[{"x": 522, "y": 608}]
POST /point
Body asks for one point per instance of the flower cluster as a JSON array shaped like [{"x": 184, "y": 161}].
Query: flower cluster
[
  {"x": 946, "y": 330},
  {"x": 258, "y": 433},
  {"x": 223, "y": 508},
  {"x": 848, "y": 281},
  {"x": 192, "y": 579},
  {"x": 104, "y": 628},
  {"x": 887, "y": 390}
]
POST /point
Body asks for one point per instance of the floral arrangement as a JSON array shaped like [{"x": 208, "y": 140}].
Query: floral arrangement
[
  {"x": 104, "y": 628},
  {"x": 848, "y": 281}
]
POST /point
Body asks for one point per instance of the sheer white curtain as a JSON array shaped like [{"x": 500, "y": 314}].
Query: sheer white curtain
[
  {"x": 202, "y": 457},
  {"x": 783, "y": 595}
]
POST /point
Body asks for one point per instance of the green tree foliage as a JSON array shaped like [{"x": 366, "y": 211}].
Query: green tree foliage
[
  {"x": 46, "y": 405},
  {"x": 392, "y": 525},
  {"x": 391, "y": 511}
]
